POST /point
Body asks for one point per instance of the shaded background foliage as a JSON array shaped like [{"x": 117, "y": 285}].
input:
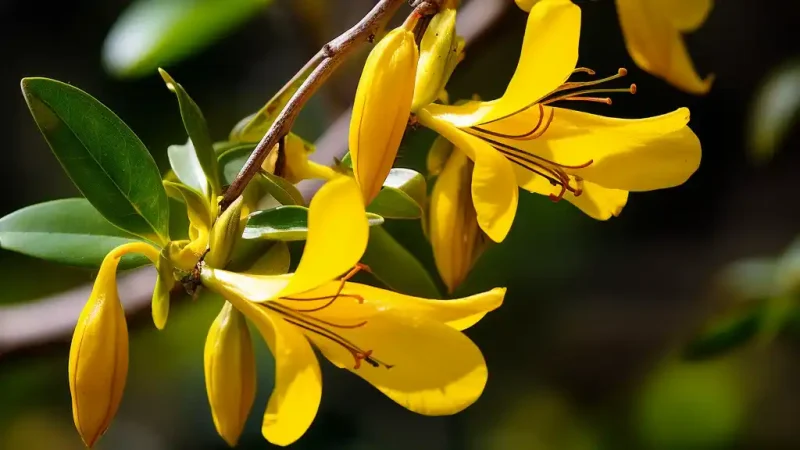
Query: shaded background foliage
[{"x": 590, "y": 349}]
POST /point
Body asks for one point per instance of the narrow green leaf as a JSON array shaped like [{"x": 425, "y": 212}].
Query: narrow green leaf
[
  {"x": 187, "y": 168},
  {"x": 154, "y": 33},
  {"x": 68, "y": 231},
  {"x": 197, "y": 129},
  {"x": 285, "y": 223},
  {"x": 253, "y": 127},
  {"x": 102, "y": 156},
  {"x": 726, "y": 333},
  {"x": 395, "y": 267},
  {"x": 403, "y": 195}
]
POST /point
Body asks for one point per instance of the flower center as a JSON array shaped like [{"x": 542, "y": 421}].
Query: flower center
[
  {"x": 304, "y": 317},
  {"x": 511, "y": 145}
]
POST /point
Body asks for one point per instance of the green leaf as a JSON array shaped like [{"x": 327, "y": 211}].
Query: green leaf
[
  {"x": 103, "y": 157},
  {"x": 154, "y": 33},
  {"x": 187, "y": 168},
  {"x": 403, "y": 196},
  {"x": 253, "y": 127},
  {"x": 726, "y": 333},
  {"x": 395, "y": 267},
  {"x": 284, "y": 192},
  {"x": 776, "y": 108},
  {"x": 68, "y": 231},
  {"x": 285, "y": 223},
  {"x": 199, "y": 137}
]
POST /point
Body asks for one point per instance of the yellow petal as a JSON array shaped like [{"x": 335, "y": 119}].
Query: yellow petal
[
  {"x": 628, "y": 154},
  {"x": 548, "y": 57},
  {"x": 453, "y": 230},
  {"x": 685, "y": 15},
  {"x": 494, "y": 187},
  {"x": 337, "y": 236},
  {"x": 381, "y": 109},
  {"x": 421, "y": 363},
  {"x": 298, "y": 382},
  {"x": 255, "y": 288},
  {"x": 458, "y": 313},
  {"x": 161, "y": 292},
  {"x": 596, "y": 201},
  {"x": 656, "y": 45},
  {"x": 230, "y": 373},
  {"x": 526, "y": 5}
]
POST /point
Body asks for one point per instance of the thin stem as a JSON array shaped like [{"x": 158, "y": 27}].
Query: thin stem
[{"x": 328, "y": 58}]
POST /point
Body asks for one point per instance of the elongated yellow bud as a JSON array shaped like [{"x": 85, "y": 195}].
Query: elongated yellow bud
[
  {"x": 453, "y": 229},
  {"x": 224, "y": 235},
  {"x": 382, "y": 108},
  {"x": 230, "y": 371},
  {"x": 161, "y": 292},
  {"x": 98, "y": 356},
  {"x": 436, "y": 51}
]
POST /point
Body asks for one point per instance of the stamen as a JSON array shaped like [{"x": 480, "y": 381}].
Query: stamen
[
  {"x": 530, "y": 135},
  {"x": 578, "y": 95},
  {"x": 583, "y": 70}
]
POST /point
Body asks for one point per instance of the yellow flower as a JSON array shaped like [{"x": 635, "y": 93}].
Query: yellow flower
[
  {"x": 382, "y": 107},
  {"x": 409, "y": 348},
  {"x": 230, "y": 370},
  {"x": 522, "y": 140},
  {"x": 453, "y": 226},
  {"x": 653, "y": 32},
  {"x": 98, "y": 356}
]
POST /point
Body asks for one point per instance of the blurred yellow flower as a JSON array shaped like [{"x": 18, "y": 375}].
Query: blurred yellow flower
[
  {"x": 98, "y": 356},
  {"x": 521, "y": 140},
  {"x": 409, "y": 348},
  {"x": 382, "y": 107},
  {"x": 653, "y": 31}
]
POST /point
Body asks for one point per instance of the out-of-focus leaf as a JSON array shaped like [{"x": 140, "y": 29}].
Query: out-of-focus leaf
[
  {"x": 285, "y": 223},
  {"x": 395, "y": 267},
  {"x": 102, "y": 156},
  {"x": 156, "y": 33},
  {"x": 197, "y": 129},
  {"x": 253, "y": 127},
  {"x": 776, "y": 108},
  {"x": 752, "y": 278},
  {"x": 727, "y": 333},
  {"x": 68, "y": 231},
  {"x": 284, "y": 192}
]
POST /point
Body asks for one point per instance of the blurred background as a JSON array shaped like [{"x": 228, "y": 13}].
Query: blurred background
[{"x": 674, "y": 326}]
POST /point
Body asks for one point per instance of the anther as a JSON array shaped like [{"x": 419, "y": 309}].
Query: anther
[{"x": 633, "y": 88}]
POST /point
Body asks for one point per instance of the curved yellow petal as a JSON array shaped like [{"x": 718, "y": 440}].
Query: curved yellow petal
[
  {"x": 685, "y": 15},
  {"x": 337, "y": 236},
  {"x": 255, "y": 288},
  {"x": 298, "y": 382},
  {"x": 494, "y": 187},
  {"x": 656, "y": 45},
  {"x": 628, "y": 154},
  {"x": 421, "y": 363},
  {"x": 596, "y": 201}
]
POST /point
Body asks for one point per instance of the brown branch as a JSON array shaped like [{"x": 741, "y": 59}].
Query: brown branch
[
  {"x": 52, "y": 319},
  {"x": 329, "y": 57}
]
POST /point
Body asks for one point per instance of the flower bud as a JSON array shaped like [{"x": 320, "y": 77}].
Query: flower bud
[
  {"x": 161, "y": 292},
  {"x": 382, "y": 108},
  {"x": 230, "y": 371},
  {"x": 224, "y": 235},
  {"x": 453, "y": 228},
  {"x": 436, "y": 52},
  {"x": 526, "y": 5},
  {"x": 438, "y": 155},
  {"x": 98, "y": 356}
]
